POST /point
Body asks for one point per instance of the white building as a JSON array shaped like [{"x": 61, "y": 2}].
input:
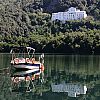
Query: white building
[
  {"x": 71, "y": 14},
  {"x": 72, "y": 89}
]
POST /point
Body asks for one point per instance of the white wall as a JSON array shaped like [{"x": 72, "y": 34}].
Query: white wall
[{"x": 71, "y": 14}]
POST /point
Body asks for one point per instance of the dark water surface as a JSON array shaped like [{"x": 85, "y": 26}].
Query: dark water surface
[{"x": 66, "y": 77}]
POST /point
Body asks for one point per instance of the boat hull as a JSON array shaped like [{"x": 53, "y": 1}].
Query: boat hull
[
  {"x": 27, "y": 66},
  {"x": 28, "y": 72}
]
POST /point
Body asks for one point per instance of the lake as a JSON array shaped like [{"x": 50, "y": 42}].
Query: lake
[{"x": 66, "y": 77}]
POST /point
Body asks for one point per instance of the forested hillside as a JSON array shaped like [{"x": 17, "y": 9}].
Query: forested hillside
[
  {"x": 28, "y": 23},
  {"x": 92, "y": 7}
]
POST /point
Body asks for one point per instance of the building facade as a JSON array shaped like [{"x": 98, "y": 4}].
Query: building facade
[{"x": 71, "y": 14}]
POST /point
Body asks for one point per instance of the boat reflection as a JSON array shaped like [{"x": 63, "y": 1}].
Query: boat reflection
[{"x": 26, "y": 81}]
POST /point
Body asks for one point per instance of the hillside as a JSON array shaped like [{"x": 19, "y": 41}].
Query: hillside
[
  {"x": 28, "y": 23},
  {"x": 92, "y": 7}
]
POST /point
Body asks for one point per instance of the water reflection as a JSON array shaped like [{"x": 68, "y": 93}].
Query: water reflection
[
  {"x": 30, "y": 80},
  {"x": 64, "y": 78},
  {"x": 27, "y": 80},
  {"x": 60, "y": 83},
  {"x": 73, "y": 89},
  {"x": 75, "y": 84}
]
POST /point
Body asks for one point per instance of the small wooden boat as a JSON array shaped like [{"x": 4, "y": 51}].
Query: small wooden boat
[{"x": 24, "y": 58}]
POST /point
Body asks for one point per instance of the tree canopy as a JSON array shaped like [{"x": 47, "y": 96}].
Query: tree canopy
[{"x": 28, "y": 23}]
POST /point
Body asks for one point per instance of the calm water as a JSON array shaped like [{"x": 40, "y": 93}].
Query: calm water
[{"x": 61, "y": 70}]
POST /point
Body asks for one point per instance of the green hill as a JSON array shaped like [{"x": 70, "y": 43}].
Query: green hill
[
  {"x": 92, "y": 7},
  {"x": 28, "y": 23}
]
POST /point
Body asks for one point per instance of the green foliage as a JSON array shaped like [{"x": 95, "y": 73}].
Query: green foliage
[{"x": 28, "y": 25}]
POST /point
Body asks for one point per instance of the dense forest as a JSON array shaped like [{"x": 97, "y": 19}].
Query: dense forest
[{"x": 28, "y": 23}]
